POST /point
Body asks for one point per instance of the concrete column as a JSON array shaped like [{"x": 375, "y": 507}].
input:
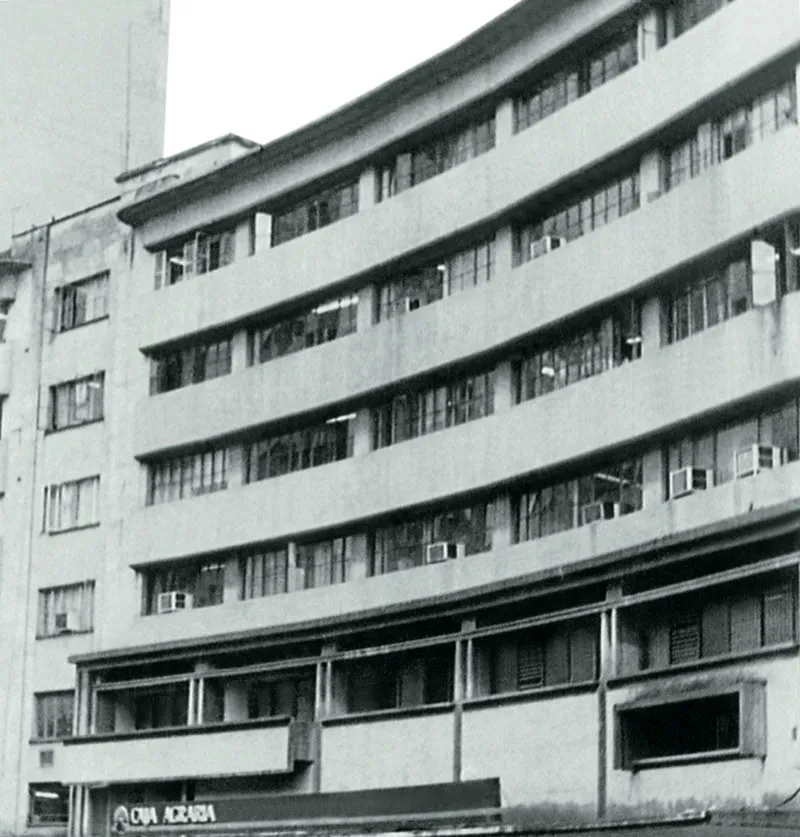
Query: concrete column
[
  {"x": 467, "y": 627},
  {"x": 362, "y": 432},
  {"x": 295, "y": 580},
  {"x": 504, "y": 121},
  {"x": 503, "y": 250},
  {"x": 233, "y": 581},
  {"x": 458, "y": 709},
  {"x": 367, "y": 188},
  {"x": 319, "y": 691},
  {"x": 82, "y": 718},
  {"x": 244, "y": 237},
  {"x": 239, "y": 352},
  {"x": 367, "y": 305},
  {"x": 649, "y": 30},
  {"x": 83, "y": 791},
  {"x": 504, "y": 387},
  {"x": 359, "y": 557},
  {"x": 650, "y": 177},
  {"x": 653, "y": 479},
  {"x": 651, "y": 325},
  {"x": 503, "y": 532}
]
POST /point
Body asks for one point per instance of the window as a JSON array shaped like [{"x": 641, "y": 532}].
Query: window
[
  {"x": 714, "y": 449},
  {"x": 82, "y": 302},
  {"x": 202, "y": 253},
  {"x": 466, "y": 269},
  {"x": 717, "y": 621},
  {"x": 187, "y": 476},
  {"x": 190, "y": 366},
  {"x": 723, "y": 721},
  {"x": 65, "y": 609},
  {"x": 204, "y": 581},
  {"x": 551, "y": 656},
  {"x": 324, "y": 562},
  {"x": 71, "y": 505},
  {"x": 418, "y": 412},
  {"x": 612, "y": 341},
  {"x": 402, "y": 545},
  {"x": 315, "y": 212},
  {"x": 48, "y": 804},
  {"x": 164, "y": 706},
  {"x": 609, "y": 492},
  {"x": 291, "y": 697},
  {"x": 578, "y": 217},
  {"x": 53, "y": 716},
  {"x": 264, "y": 573},
  {"x": 436, "y": 156},
  {"x": 327, "y": 321},
  {"x": 301, "y": 449},
  {"x": 400, "y": 681},
  {"x": 682, "y": 15},
  {"x": 707, "y": 301},
  {"x": 567, "y": 84},
  {"x": 77, "y": 402},
  {"x": 712, "y": 143}
]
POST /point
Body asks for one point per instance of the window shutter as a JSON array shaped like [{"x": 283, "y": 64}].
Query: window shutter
[
  {"x": 684, "y": 638},
  {"x": 746, "y": 624},
  {"x": 200, "y": 253},
  {"x": 583, "y": 652},
  {"x": 778, "y": 614},
  {"x": 227, "y": 248},
  {"x": 557, "y": 657},
  {"x": 160, "y": 268},
  {"x": 716, "y": 629},
  {"x": 188, "y": 258},
  {"x": 530, "y": 663}
]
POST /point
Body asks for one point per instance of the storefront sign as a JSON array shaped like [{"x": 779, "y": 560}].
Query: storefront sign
[{"x": 145, "y": 816}]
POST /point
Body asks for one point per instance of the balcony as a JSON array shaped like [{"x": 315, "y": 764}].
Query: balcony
[
  {"x": 657, "y": 523},
  {"x": 663, "y": 88},
  {"x": 666, "y": 388},
  {"x": 724, "y": 204},
  {"x": 187, "y": 752}
]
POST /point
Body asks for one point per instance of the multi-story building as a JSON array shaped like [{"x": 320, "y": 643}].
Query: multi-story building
[{"x": 450, "y": 439}]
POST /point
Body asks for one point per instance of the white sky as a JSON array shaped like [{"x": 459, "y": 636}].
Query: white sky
[{"x": 261, "y": 68}]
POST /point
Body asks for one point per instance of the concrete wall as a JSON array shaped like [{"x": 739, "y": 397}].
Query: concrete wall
[
  {"x": 724, "y": 784},
  {"x": 543, "y": 750},
  {"x": 414, "y": 750}
]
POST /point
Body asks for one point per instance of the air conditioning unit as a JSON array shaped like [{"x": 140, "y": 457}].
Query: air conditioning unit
[
  {"x": 688, "y": 480},
  {"x": 755, "y": 458},
  {"x": 442, "y": 551},
  {"x": 593, "y": 512},
  {"x": 173, "y": 600},
  {"x": 65, "y": 623},
  {"x": 409, "y": 303},
  {"x": 546, "y": 245}
]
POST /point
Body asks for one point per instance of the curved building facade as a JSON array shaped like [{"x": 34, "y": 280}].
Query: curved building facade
[{"x": 455, "y": 437}]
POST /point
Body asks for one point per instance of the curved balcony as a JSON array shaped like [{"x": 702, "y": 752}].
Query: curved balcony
[
  {"x": 655, "y": 524},
  {"x": 633, "y": 402},
  {"x": 625, "y": 112},
  {"x": 726, "y": 203}
]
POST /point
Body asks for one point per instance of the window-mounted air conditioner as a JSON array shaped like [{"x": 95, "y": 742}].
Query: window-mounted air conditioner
[
  {"x": 593, "y": 512},
  {"x": 545, "y": 245},
  {"x": 688, "y": 480},
  {"x": 755, "y": 458},
  {"x": 442, "y": 551},
  {"x": 409, "y": 303},
  {"x": 65, "y": 623},
  {"x": 172, "y": 601}
]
